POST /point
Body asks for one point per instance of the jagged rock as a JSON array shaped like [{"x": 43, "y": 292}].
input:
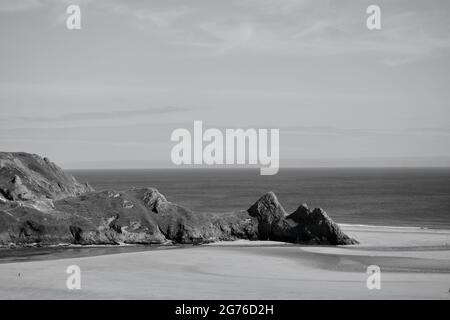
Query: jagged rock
[
  {"x": 270, "y": 214},
  {"x": 302, "y": 226},
  {"x": 267, "y": 208},
  {"x": 317, "y": 227},
  {"x": 153, "y": 199}
]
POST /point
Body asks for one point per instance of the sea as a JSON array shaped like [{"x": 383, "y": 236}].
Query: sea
[{"x": 399, "y": 197}]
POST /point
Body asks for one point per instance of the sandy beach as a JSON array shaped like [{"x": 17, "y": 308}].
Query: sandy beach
[{"x": 414, "y": 262}]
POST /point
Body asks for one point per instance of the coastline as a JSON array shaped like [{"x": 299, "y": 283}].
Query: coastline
[
  {"x": 393, "y": 236},
  {"x": 415, "y": 264}
]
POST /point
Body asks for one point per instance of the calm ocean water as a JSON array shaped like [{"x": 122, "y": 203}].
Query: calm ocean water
[{"x": 393, "y": 197}]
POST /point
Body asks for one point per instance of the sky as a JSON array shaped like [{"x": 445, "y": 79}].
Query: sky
[{"x": 109, "y": 95}]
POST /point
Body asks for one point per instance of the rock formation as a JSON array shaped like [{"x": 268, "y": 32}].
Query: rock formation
[
  {"x": 40, "y": 204},
  {"x": 302, "y": 226},
  {"x": 25, "y": 176}
]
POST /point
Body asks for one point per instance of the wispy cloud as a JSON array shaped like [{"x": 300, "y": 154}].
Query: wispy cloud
[
  {"x": 336, "y": 131},
  {"x": 18, "y": 5},
  {"x": 10, "y": 6},
  {"x": 410, "y": 31},
  {"x": 150, "y": 17},
  {"x": 273, "y": 7},
  {"x": 295, "y": 27},
  {"x": 84, "y": 116}
]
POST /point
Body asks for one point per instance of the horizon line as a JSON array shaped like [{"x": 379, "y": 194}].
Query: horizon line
[{"x": 257, "y": 168}]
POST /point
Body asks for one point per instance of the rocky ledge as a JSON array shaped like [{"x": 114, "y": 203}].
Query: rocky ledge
[{"x": 42, "y": 205}]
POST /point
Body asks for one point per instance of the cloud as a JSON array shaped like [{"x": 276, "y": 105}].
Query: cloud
[
  {"x": 162, "y": 18},
  {"x": 303, "y": 28},
  {"x": 411, "y": 31},
  {"x": 18, "y": 5},
  {"x": 430, "y": 130},
  {"x": 150, "y": 18},
  {"x": 274, "y": 7},
  {"x": 10, "y": 6},
  {"x": 84, "y": 116},
  {"x": 354, "y": 132},
  {"x": 229, "y": 37}
]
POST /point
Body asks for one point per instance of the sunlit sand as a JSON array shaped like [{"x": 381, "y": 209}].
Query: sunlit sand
[{"x": 415, "y": 264}]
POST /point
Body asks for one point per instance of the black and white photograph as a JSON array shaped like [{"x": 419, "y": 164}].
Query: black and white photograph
[{"x": 208, "y": 150}]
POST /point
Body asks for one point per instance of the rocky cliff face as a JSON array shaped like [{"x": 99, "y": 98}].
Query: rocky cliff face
[
  {"x": 40, "y": 204},
  {"x": 25, "y": 176}
]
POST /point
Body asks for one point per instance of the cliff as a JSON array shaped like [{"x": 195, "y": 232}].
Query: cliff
[{"x": 25, "y": 176}]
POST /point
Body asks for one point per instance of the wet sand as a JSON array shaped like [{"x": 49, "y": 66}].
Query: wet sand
[{"x": 415, "y": 264}]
